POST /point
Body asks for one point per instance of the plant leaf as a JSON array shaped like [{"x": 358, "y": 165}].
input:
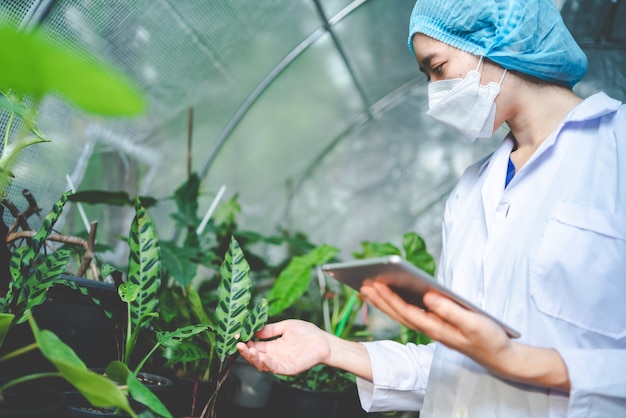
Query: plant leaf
[
  {"x": 234, "y": 296},
  {"x": 294, "y": 279},
  {"x": 97, "y": 389},
  {"x": 144, "y": 267},
  {"x": 128, "y": 292},
  {"x": 257, "y": 318},
  {"x": 137, "y": 390},
  {"x": 36, "y": 62},
  {"x": 176, "y": 337},
  {"x": 376, "y": 249},
  {"x": 185, "y": 352},
  {"x": 44, "y": 277},
  {"x": 179, "y": 262},
  {"x": 195, "y": 303},
  {"x": 416, "y": 252},
  {"x": 24, "y": 260},
  {"x": 94, "y": 197},
  {"x": 6, "y": 320}
]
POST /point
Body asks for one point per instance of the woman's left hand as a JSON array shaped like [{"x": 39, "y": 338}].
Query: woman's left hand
[{"x": 473, "y": 335}]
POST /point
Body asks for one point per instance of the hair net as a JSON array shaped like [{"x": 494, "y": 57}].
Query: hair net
[{"x": 528, "y": 36}]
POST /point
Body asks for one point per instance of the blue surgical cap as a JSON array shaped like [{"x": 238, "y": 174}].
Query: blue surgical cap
[{"x": 528, "y": 36}]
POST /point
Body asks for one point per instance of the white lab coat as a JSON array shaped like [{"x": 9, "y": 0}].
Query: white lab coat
[{"x": 548, "y": 256}]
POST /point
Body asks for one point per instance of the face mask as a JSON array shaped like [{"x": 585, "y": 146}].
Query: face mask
[{"x": 465, "y": 104}]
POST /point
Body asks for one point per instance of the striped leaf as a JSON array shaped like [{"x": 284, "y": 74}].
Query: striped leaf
[
  {"x": 17, "y": 279},
  {"x": 176, "y": 337},
  {"x": 255, "y": 321},
  {"x": 46, "y": 227},
  {"x": 144, "y": 267},
  {"x": 233, "y": 299},
  {"x": 185, "y": 352},
  {"x": 29, "y": 284},
  {"x": 44, "y": 277}
]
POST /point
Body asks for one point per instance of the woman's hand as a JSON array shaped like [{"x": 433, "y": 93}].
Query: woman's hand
[
  {"x": 288, "y": 347},
  {"x": 293, "y": 346},
  {"x": 474, "y": 335}
]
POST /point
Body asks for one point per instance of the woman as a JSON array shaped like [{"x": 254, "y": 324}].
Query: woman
[{"x": 535, "y": 234}]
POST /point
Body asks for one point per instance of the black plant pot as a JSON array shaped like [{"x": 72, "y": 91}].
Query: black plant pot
[
  {"x": 78, "y": 406},
  {"x": 291, "y": 402},
  {"x": 30, "y": 400},
  {"x": 77, "y": 320}
]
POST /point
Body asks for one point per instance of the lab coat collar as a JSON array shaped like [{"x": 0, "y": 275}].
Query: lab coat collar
[{"x": 595, "y": 106}]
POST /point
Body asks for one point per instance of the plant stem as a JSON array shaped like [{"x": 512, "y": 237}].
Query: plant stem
[
  {"x": 7, "y": 131},
  {"x": 346, "y": 314},
  {"x": 27, "y": 378},
  {"x": 147, "y": 356},
  {"x": 18, "y": 352},
  {"x": 129, "y": 326}
]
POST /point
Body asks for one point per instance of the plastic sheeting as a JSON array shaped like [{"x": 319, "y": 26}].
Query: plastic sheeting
[{"x": 311, "y": 111}]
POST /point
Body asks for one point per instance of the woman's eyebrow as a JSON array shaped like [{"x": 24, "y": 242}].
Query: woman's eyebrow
[{"x": 426, "y": 61}]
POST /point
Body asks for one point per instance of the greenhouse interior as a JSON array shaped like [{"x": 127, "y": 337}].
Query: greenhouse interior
[{"x": 299, "y": 120}]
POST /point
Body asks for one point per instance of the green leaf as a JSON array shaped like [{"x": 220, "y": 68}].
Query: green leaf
[
  {"x": 144, "y": 267},
  {"x": 46, "y": 275},
  {"x": 195, "y": 303},
  {"x": 137, "y": 390},
  {"x": 6, "y": 320},
  {"x": 257, "y": 318},
  {"x": 128, "y": 292},
  {"x": 35, "y": 63},
  {"x": 22, "y": 266},
  {"x": 376, "y": 249},
  {"x": 176, "y": 337},
  {"x": 416, "y": 252},
  {"x": 186, "y": 199},
  {"x": 46, "y": 228},
  {"x": 294, "y": 279},
  {"x": 94, "y": 197},
  {"x": 97, "y": 389},
  {"x": 185, "y": 352},
  {"x": 234, "y": 296},
  {"x": 179, "y": 262}
]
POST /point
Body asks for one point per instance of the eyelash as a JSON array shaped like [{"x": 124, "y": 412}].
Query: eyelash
[{"x": 437, "y": 70}]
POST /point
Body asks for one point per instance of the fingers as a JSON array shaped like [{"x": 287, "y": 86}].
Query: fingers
[{"x": 271, "y": 330}]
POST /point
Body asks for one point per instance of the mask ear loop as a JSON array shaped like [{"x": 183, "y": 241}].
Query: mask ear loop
[
  {"x": 502, "y": 78},
  {"x": 480, "y": 61}
]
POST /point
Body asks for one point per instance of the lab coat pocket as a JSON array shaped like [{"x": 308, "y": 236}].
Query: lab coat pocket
[{"x": 580, "y": 269}]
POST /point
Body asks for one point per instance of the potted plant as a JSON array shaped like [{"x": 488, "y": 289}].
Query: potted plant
[
  {"x": 32, "y": 274},
  {"x": 324, "y": 391},
  {"x": 230, "y": 322}
]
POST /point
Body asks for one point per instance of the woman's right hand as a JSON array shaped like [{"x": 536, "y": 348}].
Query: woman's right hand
[
  {"x": 294, "y": 346},
  {"x": 288, "y": 347}
]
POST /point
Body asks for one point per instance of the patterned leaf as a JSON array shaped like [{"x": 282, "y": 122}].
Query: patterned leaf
[
  {"x": 48, "y": 222},
  {"x": 255, "y": 321},
  {"x": 176, "y": 337},
  {"x": 233, "y": 299},
  {"x": 128, "y": 292},
  {"x": 24, "y": 259},
  {"x": 144, "y": 267},
  {"x": 44, "y": 277},
  {"x": 17, "y": 279},
  {"x": 185, "y": 352}
]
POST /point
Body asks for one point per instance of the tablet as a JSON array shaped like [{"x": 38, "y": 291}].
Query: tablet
[{"x": 407, "y": 280}]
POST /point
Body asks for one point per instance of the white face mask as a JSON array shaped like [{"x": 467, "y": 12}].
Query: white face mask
[{"x": 465, "y": 104}]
